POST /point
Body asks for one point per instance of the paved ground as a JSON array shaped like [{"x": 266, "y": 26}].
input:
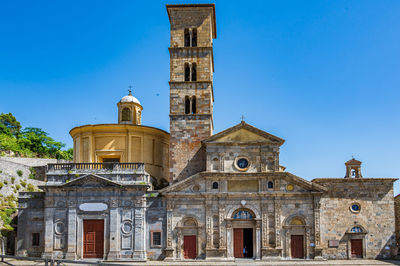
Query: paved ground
[{"x": 237, "y": 262}]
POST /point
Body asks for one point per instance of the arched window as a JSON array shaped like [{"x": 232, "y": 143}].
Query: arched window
[
  {"x": 193, "y": 104},
  {"x": 194, "y": 37},
  {"x": 187, "y": 38},
  {"x": 215, "y": 164},
  {"x": 194, "y": 73},
  {"x": 353, "y": 173},
  {"x": 215, "y": 185},
  {"x": 126, "y": 114},
  {"x": 243, "y": 214},
  {"x": 270, "y": 184},
  {"x": 187, "y": 72},
  {"x": 356, "y": 229},
  {"x": 187, "y": 105}
]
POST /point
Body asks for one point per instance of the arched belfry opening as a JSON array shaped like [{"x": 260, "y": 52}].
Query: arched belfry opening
[
  {"x": 353, "y": 169},
  {"x": 129, "y": 110}
]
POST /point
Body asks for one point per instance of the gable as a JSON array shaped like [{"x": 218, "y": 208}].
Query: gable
[
  {"x": 242, "y": 135},
  {"x": 91, "y": 181}
]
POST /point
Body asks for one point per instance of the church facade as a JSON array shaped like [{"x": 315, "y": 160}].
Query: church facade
[{"x": 137, "y": 193}]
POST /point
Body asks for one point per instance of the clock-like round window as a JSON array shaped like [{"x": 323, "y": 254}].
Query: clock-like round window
[
  {"x": 242, "y": 164},
  {"x": 355, "y": 207},
  {"x": 289, "y": 187}
]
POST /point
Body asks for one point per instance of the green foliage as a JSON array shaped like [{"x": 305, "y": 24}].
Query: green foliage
[
  {"x": 10, "y": 122},
  {"x": 1, "y": 185},
  {"x": 12, "y": 180},
  {"x": 19, "y": 173},
  {"x": 6, "y": 215},
  {"x": 17, "y": 187},
  {"x": 32, "y": 174},
  {"x": 5, "y": 182},
  {"x": 76, "y": 175},
  {"x": 15, "y": 191},
  {"x": 23, "y": 183},
  {"x": 30, "y": 188},
  {"x": 30, "y": 141}
]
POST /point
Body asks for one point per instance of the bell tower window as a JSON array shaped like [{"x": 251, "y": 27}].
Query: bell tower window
[
  {"x": 187, "y": 105},
  {"x": 194, "y": 72},
  {"x": 126, "y": 114},
  {"x": 194, "y": 38},
  {"x": 187, "y": 72},
  {"x": 187, "y": 38},
  {"x": 193, "y": 104},
  {"x": 190, "y": 37}
]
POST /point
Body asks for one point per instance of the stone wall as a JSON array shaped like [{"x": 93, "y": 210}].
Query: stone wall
[
  {"x": 397, "y": 217},
  {"x": 376, "y": 216}
]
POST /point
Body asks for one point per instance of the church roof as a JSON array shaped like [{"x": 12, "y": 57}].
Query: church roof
[{"x": 253, "y": 134}]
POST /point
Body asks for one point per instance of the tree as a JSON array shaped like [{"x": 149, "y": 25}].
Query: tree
[{"x": 10, "y": 122}]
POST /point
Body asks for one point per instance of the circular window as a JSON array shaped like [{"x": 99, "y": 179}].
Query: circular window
[
  {"x": 126, "y": 227},
  {"x": 355, "y": 207},
  {"x": 196, "y": 188},
  {"x": 242, "y": 164},
  {"x": 289, "y": 187}
]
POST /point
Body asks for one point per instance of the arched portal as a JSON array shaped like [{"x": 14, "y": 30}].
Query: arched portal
[
  {"x": 244, "y": 233},
  {"x": 297, "y": 237},
  {"x": 188, "y": 231}
]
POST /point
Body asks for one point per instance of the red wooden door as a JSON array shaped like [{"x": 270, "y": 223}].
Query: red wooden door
[
  {"x": 356, "y": 248},
  {"x": 238, "y": 242},
  {"x": 93, "y": 238},
  {"x": 189, "y": 247},
  {"x": 297, "y": 246}
]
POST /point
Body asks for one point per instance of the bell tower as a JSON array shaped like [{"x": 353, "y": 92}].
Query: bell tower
[{"x": 193, "y": 29}]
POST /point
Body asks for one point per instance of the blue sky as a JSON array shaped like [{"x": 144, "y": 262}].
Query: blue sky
[{"x": 324, "y": 75}]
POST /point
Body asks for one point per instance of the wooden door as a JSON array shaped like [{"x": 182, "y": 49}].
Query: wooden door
[
  {"x": 297, "y": 246},
  {"x": 356, "y": 248},
  {"x": 189, "y": 247},
  {"x": 238, "y": 242},
  {"x": 93, "y": 238}
]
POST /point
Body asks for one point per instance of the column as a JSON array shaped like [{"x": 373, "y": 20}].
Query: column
[
  {"x": 317, "y": 235},
  {"x": 71, "y": 252},
  {"x": 229, "y": 239},
  {"x": 308, "y": 251},
  {"x": 140, "y": 241},
  {"x": 209, "y": 233},
  {"x": 222, "y": 231},
  {"x": 278, "y": 224},
  {"x": 114, "y": 236},
  {"x": 258, "y": 239},
  {"x": 169, "y": 251}
]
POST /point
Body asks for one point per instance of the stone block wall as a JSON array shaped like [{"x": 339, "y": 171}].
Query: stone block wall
[
  {"x": 376, "y": 217},
  {"x": 30, "y": 220},
  {"x": 397, "y": 217}
]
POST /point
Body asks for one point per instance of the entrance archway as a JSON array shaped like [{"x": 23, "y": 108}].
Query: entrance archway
[
  {"x": 243, "y": 233},
  {"x": 297, "y": 237}
]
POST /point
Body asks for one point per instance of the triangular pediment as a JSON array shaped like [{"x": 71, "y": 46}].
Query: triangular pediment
[
  {"x": 90, "y": 181},
  {"x": 244, "y": 133}
]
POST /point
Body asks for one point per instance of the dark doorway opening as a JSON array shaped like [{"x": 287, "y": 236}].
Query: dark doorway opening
[
  {"x": 243, "y": 242},
  {"x": 248, "y": 242}
]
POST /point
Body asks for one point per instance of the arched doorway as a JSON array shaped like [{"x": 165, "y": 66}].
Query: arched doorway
[
  {"x": 243, "y": 224},
  {"x": 188, "y": 231},
  {"x": 297, "y": 237}
]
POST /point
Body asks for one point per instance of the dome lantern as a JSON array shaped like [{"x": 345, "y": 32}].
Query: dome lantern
[{"x": 129, "y": 110}]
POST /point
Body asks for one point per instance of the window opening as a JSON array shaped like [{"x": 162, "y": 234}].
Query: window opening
[
  {"x": 193, "y": 104},
  {"x": 126, "y": 114},
  {"x": 187, "y": 105},
  {"x": 194, "y": 73},
  {"x": 194, "y": 38},
  {"x": 215, "y": 185},
  {"x": 187, "y": 38}
]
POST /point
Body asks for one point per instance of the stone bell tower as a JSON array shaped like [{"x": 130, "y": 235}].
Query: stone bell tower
[{"x": 193, "y": 29}]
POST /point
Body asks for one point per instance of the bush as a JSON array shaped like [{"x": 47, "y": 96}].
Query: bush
[
  {"x": 20, "y": 173},
  {"x": 15, "y": 191},
  {"x": 23, "y": 183},
  {"x": 32, "y": 174},
  {"x": 17, "y": 187},
  {"x": 12, "y": 180},
  {"x": 30, "y": 188},
  {"x": 1, "y": 185},
  {"x": 76, "y": 175},
  {"x": 5, "y": 182}
]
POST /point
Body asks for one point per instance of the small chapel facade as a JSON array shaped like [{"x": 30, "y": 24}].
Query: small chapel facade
[{"x": 136, "y": 192}]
